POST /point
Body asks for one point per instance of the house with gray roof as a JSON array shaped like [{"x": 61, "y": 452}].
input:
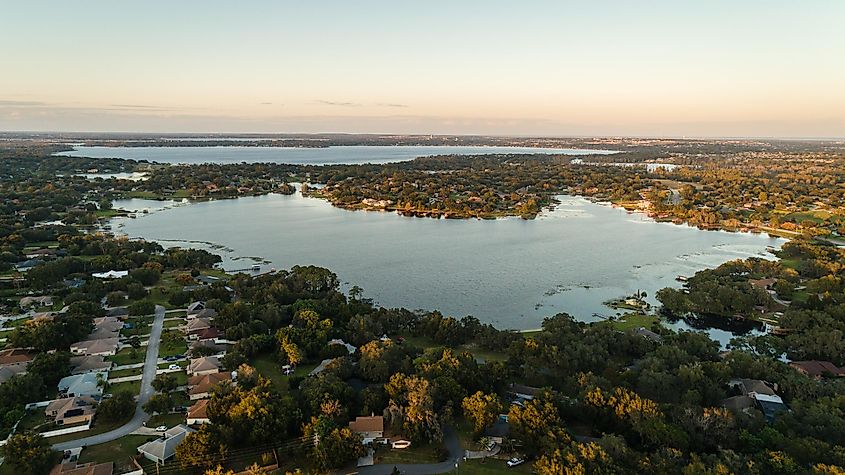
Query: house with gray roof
[{"x": 163, "y": 449}]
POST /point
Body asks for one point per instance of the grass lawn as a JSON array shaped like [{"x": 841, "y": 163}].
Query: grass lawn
[
  {"x": 172, "y": 347},
  {"x": 120, "y": 451},
  {"x": 267, "y": 366},
  {"x": 790, "y": 263},
  {"x": 98, "y": 428},
  {"x": 122, "y": 373},
  {"x": 124, "y": 357},
  {"x": 413, "y": 454},
  {"x": 491, "y": 467},
  {"x": 34, "y": 420},
  {"x": 630, "y": 321},
  {"x": 132, "y": 387},
  {"x": 174, "y": 323},
  {"x": 168, "y": 420}
]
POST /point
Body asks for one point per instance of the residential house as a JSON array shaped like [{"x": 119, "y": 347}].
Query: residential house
[
  {"x": 112, "y": 274},
  {"x": 26, "y": 265},
  {"x": 521, "y": 391},
  {"x": 86, "y": 384},
  {"x": 196, "y": 325},
  {"x": 201, "y": 385},
  {"x": 90, "y": 468},
  {"x": 647, "y": 334},
  {"x": 499, "y": 431},
  {"x": 206, "y": 313},
  {"x": 351, "y": 349},
  {"x": 103, "y": 347},
  {"x": 42, "y": 301},
  {"x": 321, "y": 367},
  {"x": 207, "y": 334},
  {"x": 89, "y": 364},
  {"x": 369, "y": 428},
  {"x": 16, "y": 359},
  {"x": 194, "y": 308},
  {"x": 198, "y": 413},
  {"x": 203, "y": 366},
  {"x": 818, "y": 369},
  {"x": 163, "y": 449},
  {"x": 71, "y": 410},
  {"x": 762, "y": 393}
]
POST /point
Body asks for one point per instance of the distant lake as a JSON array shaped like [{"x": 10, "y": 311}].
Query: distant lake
[
  {"x": 304, "y": 156},
  {"x": 508, "y": 272}
]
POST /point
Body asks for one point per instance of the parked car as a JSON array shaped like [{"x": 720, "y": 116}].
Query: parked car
[
  {"x": 516, "y": 461},
  {"x": 161, "y": 428},
  {"x": 400, "y": 444},
  {"x": 174, "y": 366}
]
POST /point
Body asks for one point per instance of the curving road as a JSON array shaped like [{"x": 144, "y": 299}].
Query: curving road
[{"x": 140, "y": 417}]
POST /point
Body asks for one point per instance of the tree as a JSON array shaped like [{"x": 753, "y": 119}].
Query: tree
[
  {"x": 482, "y": 410},
  {"x": 159, "y": 403},
  {"x": 118, "y": 408},
  {"x": 200, "y": 449},
  {"x": 333, "y": 446},
  {"x": 29, "y": 453},
  {"x": 165, "y": 383}
]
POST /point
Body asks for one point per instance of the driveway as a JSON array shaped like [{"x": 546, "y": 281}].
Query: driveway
[
  {"x": 140, "y": 417},
  {"x": 456, "y": 455}
]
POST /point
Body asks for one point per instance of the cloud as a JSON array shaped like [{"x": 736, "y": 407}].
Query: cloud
[
  {"x": 339, "y": 104},
  {"x": 390, "y": 104}
]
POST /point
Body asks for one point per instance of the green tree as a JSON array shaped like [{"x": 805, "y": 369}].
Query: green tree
[{"x": 28, "y": 453}]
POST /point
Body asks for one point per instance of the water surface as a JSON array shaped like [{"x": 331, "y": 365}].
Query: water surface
[
  {"x": 310, "y": 156},
  {"x": 509, "y": 272}
]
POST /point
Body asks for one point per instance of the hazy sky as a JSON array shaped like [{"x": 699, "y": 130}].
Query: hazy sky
[{"x": 708, "y": 68}]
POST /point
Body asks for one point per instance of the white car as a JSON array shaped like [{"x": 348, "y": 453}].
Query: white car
[
  {"x": 174, "y": 366},
  {"x": 400, "y": 444},
  {"x": 161, "y": 428},
  {"x": 516, "y": 461}
]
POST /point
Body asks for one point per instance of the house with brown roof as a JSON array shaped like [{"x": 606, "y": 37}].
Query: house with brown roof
[
  {"x": 203, "y": 366},
  {"x": 71, "y": 410},
  {"x": 198, "y": 413},
  {"x": 818, "y": 369},
  {"x": 207, "y": 334},
  {"x": 16, "y": 359},
  {"x": 368, "y": 427},
  {"x": 197, "y": 325},
  {"x": 104, "y": 347},
  {"x": 89, "y": 468},
  {"x": 201, "y": 385},
  {"x": 41, "y": 301}
]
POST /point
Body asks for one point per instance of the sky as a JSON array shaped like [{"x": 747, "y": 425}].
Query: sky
[{"x": 749, "y": 68}]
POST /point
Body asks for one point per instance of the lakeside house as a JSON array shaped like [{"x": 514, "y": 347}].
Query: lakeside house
[
  {"x": 163, "y": 449},
  {"x": 369, "y": 427},
  {"x": 755, "y": 393},
  {"x": 818, "y": 369},
  {"x": 198, "y": 413},
  {"x": 71, "y": 410},
  {"x": 86, "y": 384}
]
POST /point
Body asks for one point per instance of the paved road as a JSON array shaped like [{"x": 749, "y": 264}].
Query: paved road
[
  {"x": 456, "y": 455},
  {"x": 140, "y": 417}
]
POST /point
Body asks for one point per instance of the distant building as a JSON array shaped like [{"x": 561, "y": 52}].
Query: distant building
[
  {"x": 102, "y": 347},
  {"x": 112, "y": 274},
  {"x": 42, "y": 301},
  {"x": 763, "y": 395},
  {"x": 89, "y": 364},
  {"x": 201, "y": 385}
]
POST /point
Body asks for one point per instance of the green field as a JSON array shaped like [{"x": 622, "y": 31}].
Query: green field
[
  {"x": 124, "y": 356},
  {"x": 120, "y": 451}
]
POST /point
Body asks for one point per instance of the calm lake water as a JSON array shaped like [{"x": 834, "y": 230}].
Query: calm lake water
[
  {"x": 310, "y": 156},
  {"x": 508, "y": 272}
]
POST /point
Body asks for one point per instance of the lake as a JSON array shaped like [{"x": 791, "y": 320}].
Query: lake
[
  {"x": 304, "y": 156},
  {"x": 508, "y": 272}
]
